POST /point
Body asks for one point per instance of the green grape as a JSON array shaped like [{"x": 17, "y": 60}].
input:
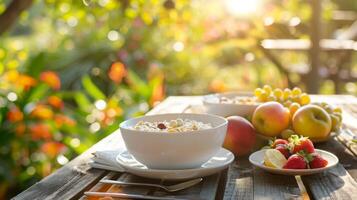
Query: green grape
[
  {"x": 267, "y": 89},
  {"x": 258, "y": 92},
  {"x": 337, "y": 109},
  {"x": 296, "y": 91},
  {"x": 278, "y": 93},
  {"x": 286, "y": 93},
  {"x": 304, "y": 99},
  {"x": 285, "y": 134},
  {"x": 335, "y": 121},
  {"x": 263, "y": 97}
]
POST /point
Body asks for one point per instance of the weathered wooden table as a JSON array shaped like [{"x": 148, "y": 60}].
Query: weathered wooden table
[{"x": 239, "y": 181}]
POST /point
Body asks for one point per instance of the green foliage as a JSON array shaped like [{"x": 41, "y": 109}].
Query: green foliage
[{"x": 91, "y": 88}]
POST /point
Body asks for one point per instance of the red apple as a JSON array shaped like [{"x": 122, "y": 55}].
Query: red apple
[
  {"x": 271, "y": 118},
  {"x": 240, "y": 138}
]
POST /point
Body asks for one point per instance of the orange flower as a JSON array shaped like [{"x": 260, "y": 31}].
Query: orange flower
[
  {"x": 26, "y": 81},
  {"x": 117, "y": 72},
  {"x": 21, "y": 80},
  {"x": 55, "y": 102},
  {"x": 51, "y": 79},
  {"x": 110, "y": 114},
  {"x": 20, "y": 129},
  {"x": 52, "y": 149},
  {"x": 41, "y": 112},
  {"x": 15, "y": 115},
  {"x": 12, "y": 75},
  {"x": 40, "y": 131},
  {"x": 158, "y": 93},
  {"x": 62, "y": 120}
]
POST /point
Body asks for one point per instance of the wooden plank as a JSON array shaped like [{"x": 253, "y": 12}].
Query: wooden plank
[
  {"x": 209, "y": 187},
  {"x": 346, "y": 158},
  {"x": 347, "y": 137},
  {"x": 239, "y": 181},
  {"x": 272, "y": 186},
  {"x": 99, "y": 187},
  {"x": 334, "y": 184}
]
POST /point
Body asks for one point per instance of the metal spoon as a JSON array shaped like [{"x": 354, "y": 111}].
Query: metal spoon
[{"x": 169, "y": 188}]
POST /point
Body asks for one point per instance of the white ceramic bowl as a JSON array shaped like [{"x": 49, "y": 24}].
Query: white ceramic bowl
[
  {"x": 213, "y": 106},
  {"x": 184, "y": 150}
]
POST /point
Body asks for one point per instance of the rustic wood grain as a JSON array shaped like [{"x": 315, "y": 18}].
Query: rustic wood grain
[
  {"x": 347, "y": 141},
  {"x": 100, "y": 187},
  {"x": 239, "y": 181},
  {"x": 345, "y": 156},
  {"x": 333, "y": 184},
  {"x": 272, "y": 186}
]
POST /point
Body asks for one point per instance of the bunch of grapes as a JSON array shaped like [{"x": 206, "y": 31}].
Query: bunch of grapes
[
  {"x": 292, "y": 99},
  {"x": 335, "y": 114}
]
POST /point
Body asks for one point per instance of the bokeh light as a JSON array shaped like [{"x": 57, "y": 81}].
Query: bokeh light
[{"x": 242, "y": 7}]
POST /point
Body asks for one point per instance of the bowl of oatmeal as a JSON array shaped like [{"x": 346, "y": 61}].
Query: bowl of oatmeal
[
  {"x": 231, "y": 103},
  {"x": 174, "y": 141}
]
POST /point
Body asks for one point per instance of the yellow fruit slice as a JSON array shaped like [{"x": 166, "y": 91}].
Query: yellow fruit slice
[{"x": 273, "y": 158}]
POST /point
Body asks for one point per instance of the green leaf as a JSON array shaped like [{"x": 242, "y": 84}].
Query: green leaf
[
  {"x": 38, "y": 93},
  {"x": 92, "y": 89},
  {"x": 138, "y": 85},
  {"x": 36, "y": 64},
  {"x": 82, "y": 101}
]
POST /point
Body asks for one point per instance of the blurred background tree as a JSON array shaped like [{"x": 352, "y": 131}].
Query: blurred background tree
[{"x": 72, "y": 70}]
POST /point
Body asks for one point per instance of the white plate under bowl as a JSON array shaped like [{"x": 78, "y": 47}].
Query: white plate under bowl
[
  {"x": 213, "y": 106},
  {"x": 218, "y": 162},
  {"x": 257, "y": 159}
]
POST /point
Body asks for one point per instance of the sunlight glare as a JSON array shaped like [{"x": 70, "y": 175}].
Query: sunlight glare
[
  {"x": 100, "y": 104},
  {"x": 242, "y": 7}
]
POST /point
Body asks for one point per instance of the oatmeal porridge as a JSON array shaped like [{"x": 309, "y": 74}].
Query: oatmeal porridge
[
  {"x": 238, "y": 100},
  {"x": 172, "y": 126}
]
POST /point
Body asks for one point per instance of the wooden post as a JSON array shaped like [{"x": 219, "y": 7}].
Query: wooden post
[{"x": 313, "y": 78}]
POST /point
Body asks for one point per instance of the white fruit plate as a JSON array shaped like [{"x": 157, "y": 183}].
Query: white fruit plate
[
  {"x": 257, "y": 159},
  {"x": 213, "y": 106}
]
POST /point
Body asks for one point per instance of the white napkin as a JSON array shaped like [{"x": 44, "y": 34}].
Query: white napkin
[{"x": 106, "y": 159}]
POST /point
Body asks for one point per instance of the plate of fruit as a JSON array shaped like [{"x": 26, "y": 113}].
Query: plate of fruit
[
  {"x": 295, "y": 156},
  {"x": 285, "y": 112}
]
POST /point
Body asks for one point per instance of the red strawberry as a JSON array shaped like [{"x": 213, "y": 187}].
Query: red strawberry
[
  {"x": 301, "y": 144},
  {"x": 295, "y": 161},
  {"x": 277, "y": 142},
  {"x": 317, "y": 162},
  {"x": 283, "y": 149}
]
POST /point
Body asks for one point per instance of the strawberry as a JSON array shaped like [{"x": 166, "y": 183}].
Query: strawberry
[
  {"x": 301, "y": 144},
  {"x": 283, "y": 150},
  {"x": 317, "y": 161},
  {"x": 276, "y": 142},
  {"x": 296, "y": 161}
]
